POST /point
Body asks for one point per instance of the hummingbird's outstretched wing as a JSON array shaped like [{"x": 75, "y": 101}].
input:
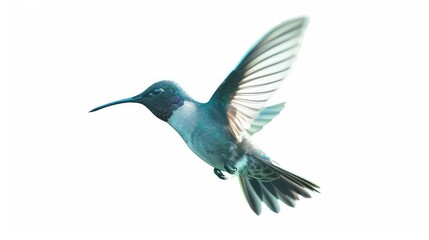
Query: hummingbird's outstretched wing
[{"x": 243, "y": 94}]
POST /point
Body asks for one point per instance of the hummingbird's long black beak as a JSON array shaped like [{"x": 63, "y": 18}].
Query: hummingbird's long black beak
[{"x": 126, "y": 100}]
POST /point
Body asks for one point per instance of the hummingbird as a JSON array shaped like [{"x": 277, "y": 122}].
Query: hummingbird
[{"x": 219, "y": 131}]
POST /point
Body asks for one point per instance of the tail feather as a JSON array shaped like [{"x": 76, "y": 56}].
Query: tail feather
[
  {"x": 256, "y": 187},
  {"x": 284, "y": 186},
  {"x": 296, "y": 179},
  {"x": 285, "y": 189},
  {"x": 292, "y": 186},
  {"x": 286, "y": 200},
  {"x": 269, "y": 186},
  {"x": 252, "y": 198},
  {"x": 270, "y": 198}
]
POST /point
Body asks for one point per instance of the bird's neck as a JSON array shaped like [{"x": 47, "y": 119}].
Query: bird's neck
[{"x": 185, "y": 119}]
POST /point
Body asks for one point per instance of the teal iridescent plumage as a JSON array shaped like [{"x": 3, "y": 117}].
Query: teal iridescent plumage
[{"x": 219, "y": 131}]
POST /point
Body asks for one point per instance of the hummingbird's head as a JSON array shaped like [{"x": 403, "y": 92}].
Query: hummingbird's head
[{"x": 162, "y": 98}]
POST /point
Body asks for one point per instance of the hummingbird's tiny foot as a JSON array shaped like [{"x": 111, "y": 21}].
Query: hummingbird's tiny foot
[
  {"x": 230, "y": 168},
  {"x": 219, "y": 174}
]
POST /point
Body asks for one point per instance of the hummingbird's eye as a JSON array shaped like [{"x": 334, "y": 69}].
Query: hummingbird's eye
[{"x": 157, "y": 91}]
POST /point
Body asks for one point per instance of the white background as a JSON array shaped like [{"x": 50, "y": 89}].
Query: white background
[{"x": 353, "y": 123}]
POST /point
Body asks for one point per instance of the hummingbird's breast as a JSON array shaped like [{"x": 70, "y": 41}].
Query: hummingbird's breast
[{"x": 205, "y": 136}]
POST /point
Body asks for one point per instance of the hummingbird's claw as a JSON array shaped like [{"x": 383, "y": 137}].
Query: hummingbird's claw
[
  {"x": 219, "y": 174},
  {"x": 230, "y": 168}
]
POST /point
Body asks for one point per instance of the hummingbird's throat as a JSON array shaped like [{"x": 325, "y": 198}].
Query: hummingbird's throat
[{"x": 164, "y": 108}]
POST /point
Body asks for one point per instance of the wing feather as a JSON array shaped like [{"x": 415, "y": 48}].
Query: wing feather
[{"x": 246, "y": 90}]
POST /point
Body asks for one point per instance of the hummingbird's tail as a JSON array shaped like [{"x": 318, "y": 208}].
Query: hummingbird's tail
[{"x": 262, "y": 181}]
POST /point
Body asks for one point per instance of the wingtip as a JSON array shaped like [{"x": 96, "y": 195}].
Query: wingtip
[{"x": 304, "y": 18}]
